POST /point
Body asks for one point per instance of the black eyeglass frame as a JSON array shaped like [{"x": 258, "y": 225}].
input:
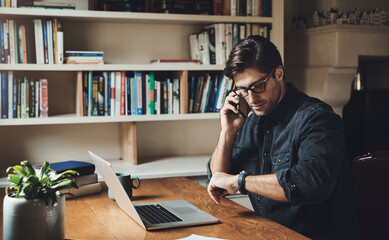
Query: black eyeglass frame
[{"x": 253, "y": 85}]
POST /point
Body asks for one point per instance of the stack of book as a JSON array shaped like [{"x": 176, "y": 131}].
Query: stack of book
[
  {"x": 213, "y": 44},
  {"x": 84, "y": 57},
  {"x": 87, "y": 179},
  {"x": 23, "y": 97},
  {"x": 207, "y": 92},
  {"x": 183, "y": 6},
  {"x": 126, "y": 93},
  {"x": 45, "y": 5},
  {"x": 121, "y": 5}
]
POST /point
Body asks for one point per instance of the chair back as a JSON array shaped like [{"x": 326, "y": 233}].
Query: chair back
[{"x": 370, "y": 176}]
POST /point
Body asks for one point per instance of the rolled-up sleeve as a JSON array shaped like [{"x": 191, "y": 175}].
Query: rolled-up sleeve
[{"x": 320, "y": 156}]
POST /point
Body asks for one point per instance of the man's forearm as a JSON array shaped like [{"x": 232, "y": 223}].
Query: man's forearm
[
  {"x": 266, "y": 186},
  {"x": 221, "y": 158}
]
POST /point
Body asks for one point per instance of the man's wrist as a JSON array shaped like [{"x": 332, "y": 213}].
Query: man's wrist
[{"x": 241, "y": 182}]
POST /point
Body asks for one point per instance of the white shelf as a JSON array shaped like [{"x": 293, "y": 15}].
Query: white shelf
[
  {"x": 72, "y": 119},
  {"x": 110, "y": 67},
  {"x": 183, "y": 166},
  {"x": 107, "y": 17},
  {"x": 164, "y": 167}
]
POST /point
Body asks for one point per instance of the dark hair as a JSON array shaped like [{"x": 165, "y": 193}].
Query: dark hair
[{"x": 253, "y": 52}]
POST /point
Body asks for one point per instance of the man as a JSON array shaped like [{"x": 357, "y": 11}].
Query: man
[{"x": 288, "y": 155}]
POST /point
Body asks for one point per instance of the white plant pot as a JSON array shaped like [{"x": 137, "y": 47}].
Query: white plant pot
[{"x": 32, "y": 219}]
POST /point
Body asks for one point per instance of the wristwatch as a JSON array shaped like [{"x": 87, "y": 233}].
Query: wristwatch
[{"x": 241, "y": 180}]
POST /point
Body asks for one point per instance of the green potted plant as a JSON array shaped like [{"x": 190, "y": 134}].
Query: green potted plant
[{"x": 33, "y": 207}]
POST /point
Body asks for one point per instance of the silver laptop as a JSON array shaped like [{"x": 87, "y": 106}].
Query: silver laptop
[{"x": 156, "y": 215}]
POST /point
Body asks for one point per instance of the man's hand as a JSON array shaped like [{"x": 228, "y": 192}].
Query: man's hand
[
  {"x": 222, "y": 184},
  {"x": 231, "y": 119}
]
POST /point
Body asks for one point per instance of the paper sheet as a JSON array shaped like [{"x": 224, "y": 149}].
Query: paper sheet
[{"x": 198, "y": 237}]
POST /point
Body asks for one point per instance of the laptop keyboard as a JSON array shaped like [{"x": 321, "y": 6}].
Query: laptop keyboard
[{"x": 156, "y": 214}]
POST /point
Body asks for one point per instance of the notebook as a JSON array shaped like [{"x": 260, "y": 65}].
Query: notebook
[{"x": 155, "y": 215}]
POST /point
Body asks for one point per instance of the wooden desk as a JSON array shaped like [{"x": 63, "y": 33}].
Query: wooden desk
[{"x": 98, "y": 217}]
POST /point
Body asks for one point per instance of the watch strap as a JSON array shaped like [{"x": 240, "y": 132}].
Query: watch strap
[{"x": 241, "y": 181}]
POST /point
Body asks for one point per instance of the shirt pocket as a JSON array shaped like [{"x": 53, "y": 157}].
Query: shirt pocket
[{"x": 280, "y": 160}]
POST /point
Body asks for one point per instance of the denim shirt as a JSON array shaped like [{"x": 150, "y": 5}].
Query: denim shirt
[{"x": 301, "y": 141}]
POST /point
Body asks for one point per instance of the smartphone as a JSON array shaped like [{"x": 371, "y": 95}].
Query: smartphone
[{"x": 238, "y": 108}]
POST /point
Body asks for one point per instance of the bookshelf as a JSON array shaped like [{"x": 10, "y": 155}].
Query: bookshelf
[{"x": 129, "y": 42}]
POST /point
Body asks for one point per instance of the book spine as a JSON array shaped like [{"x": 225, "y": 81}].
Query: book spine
[
  {"x": 228, "y": 40},
  {"x": 59, "y": 42},
  {"x": 199, "y": 94},
  {"x": 95, "y": 103},
  {"x": 107, "y": 97},
  {"x": 55, "y": 40},
  {"x": 37, "y": 98},
  {"x": 6, "y": 42},
  {"x": 233, "y": 7},
  {"x": 32, "y": 109},
  {"x": 2, "y": 56},
  {"x": 10, "y": 93},
  {"x": 128, "y": 95},
  {"x": 100, "y": 95},
  {"x": 139, "y": 88},
  {"x": 164, "y": 97},
  {"x": 147, "y": 93},
  {"x": 50, "y": 47},
  {"x": 194, "y": 47},
  {"x": 11, "y": 31},
  {"x": 152, "y": 93},
  {"x": 45, "y": 42},
  {"x": 221, "y": 44},
  {"x": 23, "y": 98},
  {"x": 122, "y": 93},
  {"x": 204, "y": 97},
  {"x": 39, "y": 48},
  {"x": 157, "y": 96},
  {"x": 4, "y": 95},
  {"x": 212, "y": 44},
  {"x": 82, "y": 190},
  {"x": 22, "y": 44},
  {"x": 18, "y": 98},
  {"x": 176, "y": 96},
  {"x": 113, "y": 84},
  {"x": 249, "y": 7},
  {"x": 27, "y": 98},
  {"x": 118, "y": 90},
  {"x": 133, "y": 95},
  {"x": 44, "y": 99},
  {"x": 14, "y": 98},
  {"x": 90, "y": 93}
]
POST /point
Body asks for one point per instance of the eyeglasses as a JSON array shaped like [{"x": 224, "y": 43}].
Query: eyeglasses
[{"x": 257, "y": 87}]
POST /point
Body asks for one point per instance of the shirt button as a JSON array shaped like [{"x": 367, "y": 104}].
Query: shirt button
[
  {"x": 267, "y": 131},
  {"x": 265, "y": 154}
]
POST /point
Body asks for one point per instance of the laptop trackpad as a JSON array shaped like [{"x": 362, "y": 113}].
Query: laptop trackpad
[{"x": 184, "y": 210}]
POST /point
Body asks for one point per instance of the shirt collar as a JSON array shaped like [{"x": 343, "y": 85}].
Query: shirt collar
[{"x": 282, "y": 111}]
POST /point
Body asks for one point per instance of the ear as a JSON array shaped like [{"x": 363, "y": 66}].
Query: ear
[{"x": 279, "y": 73}]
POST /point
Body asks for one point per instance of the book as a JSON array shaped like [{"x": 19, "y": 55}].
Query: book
[
  {"x": 139, "y": 91},
  {"x": 176, "y": 61},
  {"x": 152, "y": 94},
  {"x": 86, "y": 179},
  {"x": 39, "y": 48},
  {"x": 176, "y": 96},
  {"x": 10, "y": 93},
  {"x": 204, "y": 47},
  {"x": 83, "y": 168},
  {"x": 113, "y": 93},
  {"x": 4, "y": 95},
  {"x": 44, "y": 98},
  {"x": 82, "y": 190},
  {"x": 194, "y": 46},
  {"x": 60, "y": 47},
  {"x": 48, "y": 4}
]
